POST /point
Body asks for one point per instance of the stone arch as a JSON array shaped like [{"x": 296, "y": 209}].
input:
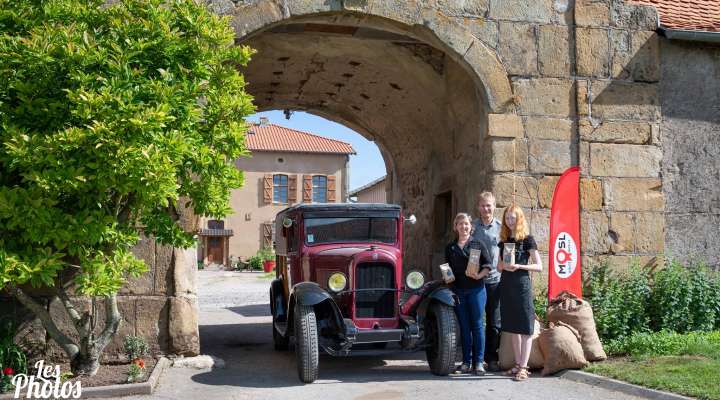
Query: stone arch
[{"x": 399, "y": 16}]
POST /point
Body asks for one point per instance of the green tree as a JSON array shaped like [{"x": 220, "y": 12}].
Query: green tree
[{"x": 114, "y": 119}]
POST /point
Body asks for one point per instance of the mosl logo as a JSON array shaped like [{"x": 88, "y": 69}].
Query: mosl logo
[
  {"x": 565, "y": 255},
  {"x": 46, "y": 384}
]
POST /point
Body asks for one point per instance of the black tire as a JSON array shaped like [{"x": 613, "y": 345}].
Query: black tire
[
  {"x": 306, "y": 343},
  {"x": 442, "y": 330},
  {"x": 280, "y": 342}
]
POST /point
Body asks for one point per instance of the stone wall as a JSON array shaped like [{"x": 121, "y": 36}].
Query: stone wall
[{"x": 690, "y": 92}]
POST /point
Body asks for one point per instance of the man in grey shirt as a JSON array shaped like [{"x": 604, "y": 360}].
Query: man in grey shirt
[{"x": 487, "y": 231}]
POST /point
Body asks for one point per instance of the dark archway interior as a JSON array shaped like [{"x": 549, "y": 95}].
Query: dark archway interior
[{"x": 419, "y": 105}]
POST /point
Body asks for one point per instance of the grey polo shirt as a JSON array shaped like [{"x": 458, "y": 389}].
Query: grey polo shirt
[{"x": 489, "y": 235}]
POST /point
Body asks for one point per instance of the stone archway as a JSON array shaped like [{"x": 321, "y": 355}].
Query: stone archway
[{"x": 412, "y": 80}]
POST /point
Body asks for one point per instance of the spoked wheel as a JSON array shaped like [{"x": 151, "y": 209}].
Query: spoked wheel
[
  {"x": 306, "y": 343},
  {"x": 442, "y": 330}
]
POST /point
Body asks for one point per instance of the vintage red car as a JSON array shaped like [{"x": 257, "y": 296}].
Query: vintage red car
[{"x": 340, "y": 287}]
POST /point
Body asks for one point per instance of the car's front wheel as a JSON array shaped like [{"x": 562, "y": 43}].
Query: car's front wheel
[
  {"x": 442, "y": 330},
  {"x": 306, "y": 343}
]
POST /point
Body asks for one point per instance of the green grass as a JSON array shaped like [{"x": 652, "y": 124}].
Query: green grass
[{"x": 691, "y": 369}]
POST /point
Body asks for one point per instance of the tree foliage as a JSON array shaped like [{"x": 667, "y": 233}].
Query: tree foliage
[{"x": 113, "y": 118}]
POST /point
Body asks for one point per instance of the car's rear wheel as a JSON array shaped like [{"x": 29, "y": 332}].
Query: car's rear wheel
[
  {"x": 306, "y": 343},
  {"x": 442, "y": 330},
  {"x": 280, "y": 342}
]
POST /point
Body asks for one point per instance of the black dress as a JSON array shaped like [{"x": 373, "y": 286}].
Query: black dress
[{"x": 517, "y": 312}]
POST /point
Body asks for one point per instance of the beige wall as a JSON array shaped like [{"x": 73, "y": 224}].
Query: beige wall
[
  {"x": 250, "y": 212},
  {"x": 374, "y": 194}
]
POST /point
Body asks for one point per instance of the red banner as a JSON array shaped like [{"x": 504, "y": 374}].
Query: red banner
[{"x": 564, "y": 245}]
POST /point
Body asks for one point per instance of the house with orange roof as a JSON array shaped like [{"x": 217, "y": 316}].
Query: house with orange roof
[{"x": 286, "y": 167}]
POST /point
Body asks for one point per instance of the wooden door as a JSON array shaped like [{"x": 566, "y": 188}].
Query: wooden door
[{"x": 215, "y": 250}]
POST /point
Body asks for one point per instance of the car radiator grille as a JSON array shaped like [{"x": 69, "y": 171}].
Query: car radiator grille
[{"x": 380, "y": 301}]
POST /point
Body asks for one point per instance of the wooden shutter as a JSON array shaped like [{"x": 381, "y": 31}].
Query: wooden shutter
[
  {"x": 292, "y": 189},
  {"x": 267, "y": 235},
  {"x": 307, "y": 188},
  {"x": 267, "y": 189},
  {"x": 331, "y": 188}
]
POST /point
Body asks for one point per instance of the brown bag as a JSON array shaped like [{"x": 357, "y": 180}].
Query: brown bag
[
  {"x": 560, "y": 344},
  {"x": 507, "y": 357},
  {"x": 576, "y": 312}
]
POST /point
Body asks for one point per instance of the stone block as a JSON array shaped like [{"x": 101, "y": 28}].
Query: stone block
[
  {"x": 592, "y": 12},
  {"x": 628, "y": 194},
  {"x": 592, "y": 52},
  {"x": 545, "y": 96},
  {"x": 483, "y": 29},
  {"x": 546, "y": 189},
  {"x": 463, "y": 7},
  {"x": 302, "y": 7},
  {"x": 183, "y": 327},
  {"x": 619, "y": 100},
  {"x": 518, "y": 48},
  {"x": 620, "y": 264},
  {"x": 554, "y": 51},
  {"x": 152, "y": 321},
  {"x": 548, "y": 128},
  {"x": 509, "y": 189},
  {"x": 446, "y": 29},
  {"x": 145, "y": 251},
  {"x": 549, "y": 156},
  {"x": 503, "y": 151},
  {"x": 522, "y": 10},
  {"x": 249, "y": 17},
  {"x": 625, "y": 160},
  {"x": 505, "y": 125},
  {"x": 591, "y": 194},
  {"x": 163, "y": 270},
  {"x": 539, "y": 220},
  {"x": 616, "y": 132},
  {"x": 649, "y": 233},
  {"x": 633, "y": 16},
  {"x": 636, "y": 55},
  {"x": 622, "y": 232},
  {"x": 185, "y": 271},
  {"x": 584, "y": 156},
  {"x": 594, "y": 232}
]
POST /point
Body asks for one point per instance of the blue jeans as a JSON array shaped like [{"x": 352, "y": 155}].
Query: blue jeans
[{"x": 471, "y": 317}]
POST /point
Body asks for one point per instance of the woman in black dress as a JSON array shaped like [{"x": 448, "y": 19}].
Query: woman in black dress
[{"x": 517, "y": 313}]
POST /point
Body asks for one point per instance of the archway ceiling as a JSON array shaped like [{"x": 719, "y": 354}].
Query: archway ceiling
[{"x": 391, "y": 85}]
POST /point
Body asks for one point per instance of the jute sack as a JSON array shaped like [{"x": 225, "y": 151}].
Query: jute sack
[
  {"x": 578, "y": 313},
  {"x": 560, "y": 344},
  {"x": 507, "y": 357}
]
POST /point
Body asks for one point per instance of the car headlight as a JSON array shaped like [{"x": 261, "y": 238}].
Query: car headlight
[
  {"x": 337, "y": 282},
  {"x": 414, "y": 280}
]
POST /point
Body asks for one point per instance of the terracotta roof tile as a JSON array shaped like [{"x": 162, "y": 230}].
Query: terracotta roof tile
[
  {"x": 271, "y": 137},
  {"x": 691, "y": 15}
]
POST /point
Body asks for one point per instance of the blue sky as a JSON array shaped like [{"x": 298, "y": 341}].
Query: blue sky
[{"x": 365, "y": 166}]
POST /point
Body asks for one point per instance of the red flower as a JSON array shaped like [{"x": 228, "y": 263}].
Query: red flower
[
  {"x": 8, "y": 371},
  {"x": 139, "y": 362}
]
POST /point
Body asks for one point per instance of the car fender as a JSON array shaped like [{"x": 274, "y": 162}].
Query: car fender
[
  {"x": 311, "y": 294},
  {"x": 441, "y": 294},
  {"x": 278, "y": 307}
]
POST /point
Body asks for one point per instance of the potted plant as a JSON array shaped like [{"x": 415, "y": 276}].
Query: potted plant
[{"x": 268, "y": 258}]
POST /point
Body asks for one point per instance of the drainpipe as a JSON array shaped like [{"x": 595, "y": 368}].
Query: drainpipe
[{"x": 692, "y": 36}]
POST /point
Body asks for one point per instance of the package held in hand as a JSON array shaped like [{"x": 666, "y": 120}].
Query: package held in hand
[
  {"x": 473, "y": 267},
  {"x": 447, "y": 273}
]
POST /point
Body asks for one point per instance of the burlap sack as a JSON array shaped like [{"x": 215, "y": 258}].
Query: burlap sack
[
  {"x": 560, "y": 344},
  {"x": 507, "y": 357},
  {"x": 578, "y": 313}
]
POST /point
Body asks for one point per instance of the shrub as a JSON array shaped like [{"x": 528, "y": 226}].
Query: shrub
[
  {"x": 135, "y": 347},
  {"x": 666, "y": 343},
  {"x": 541, "y": 304},
  {"x": 135, "y": 373},
  {"x": 266, "y": 254},
  {"x": 255, "y": 263},
  {"x": 12, "y": 358},
  {"x": 618, "y": 302}
]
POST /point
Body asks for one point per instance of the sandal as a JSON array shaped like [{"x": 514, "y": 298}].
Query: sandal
[
  {"x": 521, "y": 375},
  {"x": 513, "y": 371}
]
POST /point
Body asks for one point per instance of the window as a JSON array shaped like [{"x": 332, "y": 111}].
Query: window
[
  {"x": 216, "y": 224},
  {"x": 351, "y": 229},
  {"x": 280, "y": 189},
  {"x": 319, "y": 189}
]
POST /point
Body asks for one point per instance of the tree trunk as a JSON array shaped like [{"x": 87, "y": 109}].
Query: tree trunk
[{"x": 85, "y": 364}]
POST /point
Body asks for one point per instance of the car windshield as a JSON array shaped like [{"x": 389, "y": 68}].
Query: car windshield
[{"x": 353, "y": 229}]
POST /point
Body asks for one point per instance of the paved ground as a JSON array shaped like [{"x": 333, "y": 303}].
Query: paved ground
[{"x": 235, "y": 326}]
